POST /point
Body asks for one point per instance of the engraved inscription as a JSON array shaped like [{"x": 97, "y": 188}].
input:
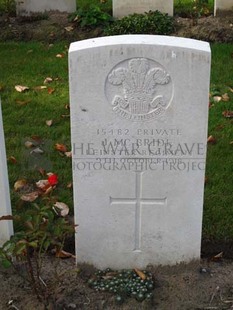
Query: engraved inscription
[
  {"x": 138, "y": 89},
  {"x": 138, "y": 201}
]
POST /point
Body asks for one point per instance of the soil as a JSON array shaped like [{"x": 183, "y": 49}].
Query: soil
[
  {"x": 204, "y": 285},
  {"x": 56, "y": 27},
  {"x": 201, "y": 285}
]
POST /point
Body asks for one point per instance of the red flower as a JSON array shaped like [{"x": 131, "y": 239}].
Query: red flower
[{"x": 53, "y": 179}]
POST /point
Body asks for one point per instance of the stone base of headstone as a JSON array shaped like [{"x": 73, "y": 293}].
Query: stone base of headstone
[{"x": 29, "y": 7}]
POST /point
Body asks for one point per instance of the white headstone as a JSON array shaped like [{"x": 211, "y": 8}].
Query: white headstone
[
  {"x": 139, "y": 113},
  {"x": 123, "y": 8},
  {"x": 6, "y": 228},
  {"x": 223, "y": 6},
  {"x": 28, "y": 7}
]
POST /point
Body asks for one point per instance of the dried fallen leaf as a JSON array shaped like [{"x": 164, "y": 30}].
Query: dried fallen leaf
[
  {"x": 21, "y": 88},
  {"x": 38, "y": 88},
  {"x": 217, "y": 98},
  {"x": 211, "y": 140},
  {"x": 49, "y": 122},
  {"x": 69, "y": 28},
  {"x": 60, "y": 147},
  {"x": 231, "y": 142},
  {"x": 48, "y": 190},
  {"x": 22, "y": 102},
  {"x": 42, "y": 171},
  {"x": 19, "y": 184},
  {"x": 1, "y": 87},
  {"x": 68, "y": 154},
  {"x": 37, "y": 150},
  {"x": 225, "y": 97},
  {"x": 65, "y": 115},
  {"x": 140, "y": 273},
  {"x": 63, "y": 208},
  {"x": 67, "y": 107},
  {"x": 231, "y": 89},
  {"x": 43, "y": 184},
  {"x": 36, "y": 138},
  {"x": 227, "y": 114},
  {"x": 29, "y": 144},
  {"x": 64, "y": 254},
  {"x": 51, "y": 90},
  {"x": 12, "y": 159},
  {"x": 69, "y": 185},
  {"x": 30, "y": 197},
  {"x": 48, "y": 80},
  {"x": 60, "y": 55},
  {"x": 217, "y": 257}
]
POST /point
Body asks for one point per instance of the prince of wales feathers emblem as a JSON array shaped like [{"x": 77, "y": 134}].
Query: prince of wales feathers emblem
[{"x": 138, "y": 84}]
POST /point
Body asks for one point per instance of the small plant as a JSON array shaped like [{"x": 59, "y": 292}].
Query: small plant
[
  {"x": 7, "y": 7},
  {"x": 124, "y": 284},
  {"x": 148, "y": 23},
  {"x": 91, "y": 17},
  {"x": 41, "y": 229}
]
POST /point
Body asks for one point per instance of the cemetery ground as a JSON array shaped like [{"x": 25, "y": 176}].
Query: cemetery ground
[{"x": 37, "y": 118}]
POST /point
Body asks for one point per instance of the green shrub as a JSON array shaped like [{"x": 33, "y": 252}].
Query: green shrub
[
  {"x": 148, "y": 23},
  {"x": 91, "y": 17},
  {"x": 7, "y": 7}
]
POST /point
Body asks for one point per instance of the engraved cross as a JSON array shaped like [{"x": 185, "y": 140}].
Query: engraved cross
[{"x": 138, "y": 201}]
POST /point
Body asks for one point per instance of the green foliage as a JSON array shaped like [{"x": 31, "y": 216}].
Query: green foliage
[
  {"x": 193, "y": 8},
  {"x": 41, "y": 228},
  {"x": 91, "y": 17},
  {"x": 7, "y": 6},
  {"x": 148, "y": 23}
]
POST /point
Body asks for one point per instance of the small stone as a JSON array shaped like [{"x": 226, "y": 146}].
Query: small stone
[{"x": 72, "y": 306}]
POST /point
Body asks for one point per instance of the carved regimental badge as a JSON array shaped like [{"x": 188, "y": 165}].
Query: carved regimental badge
[{"x": 139, "y": 89}]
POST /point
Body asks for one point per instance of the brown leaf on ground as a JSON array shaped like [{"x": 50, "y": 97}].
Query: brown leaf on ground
[
  {"x": 38, "y": 88},
  {"x": 217, "y": 257},
  {"x": 62, "y": 207},
  {"x": 68, "y": 154},
  {"x": 140, "y": 273},
  {"x": 12, "y": 159},
  {"x": 51, "y": 90},
  {"x": 29, "y": 144},
  {"x": 43, "y": 184},
  {"x": 69, "y": 185},
  {"x": 20, "y": 184},
  {"x": 231, "y": 89},
  {"x": 21, "y": 88},
  {"x": 67, "y": 106},
  {"x": 1, "y": 87},
  {"x": 22, "y": 102},
  {"x": 42, "y": 171},
  {"x": 217, "y": 98},
  {"x": 211, "y": 140},
  {"x": 227, "y": 114},
  {"x": 48, "y": 80},
  {"x": 61, "y": 55},
  {"x": 225, "y": 97},
  {"x": 30, "y": 197},
  {"x": 65, "y": 115},
  {"x": 36, "y": 138},
  {"x": 69, "y": 28},
  {"x": 61, "y": 147},
  {"x": 63, "y": 254},
  {"x": 49, "y": 122}
]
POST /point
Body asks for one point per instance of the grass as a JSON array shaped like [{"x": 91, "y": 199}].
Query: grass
[{"x": 30, "y": 63}]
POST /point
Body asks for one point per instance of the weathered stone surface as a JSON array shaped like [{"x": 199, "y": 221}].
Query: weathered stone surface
[
  {"x": 139, "y": 114},
  {"x": 123, "y": 8},
  {"x": 6, "y": 229}
]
